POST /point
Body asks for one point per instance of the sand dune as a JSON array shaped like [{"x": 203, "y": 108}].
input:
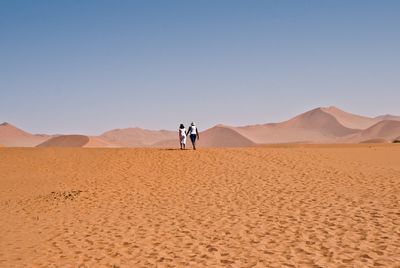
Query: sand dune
[
  {"x": 218, "y": 136},
  {"x": 65, "y": 141},
  {"x": 98, "y": 142},
  {"x": 350, "y": 120},
  {"x": 76, "y": 141},
  {"x": 388, "y": 117},
  {"x": 387, "y": 129},
  {"x": 375, "y": 141},
  {"x": 137, "y": 137},
  {"x": 302, "y": 206},
  {"x": 313, "y": 126},
  {"x": 320, "y": 125},
  {"x": 11, "y": 136}
]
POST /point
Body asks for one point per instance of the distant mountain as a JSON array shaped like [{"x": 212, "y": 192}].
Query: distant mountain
[
  {"x": 137, "y": 137},
  {"x": 11, "y": 136}
]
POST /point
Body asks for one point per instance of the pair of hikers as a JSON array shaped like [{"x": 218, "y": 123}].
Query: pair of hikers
[{"x": 194, "y": 135}]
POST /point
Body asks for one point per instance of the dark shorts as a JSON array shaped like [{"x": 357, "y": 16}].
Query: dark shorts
[{"x": 193, "y": 137}]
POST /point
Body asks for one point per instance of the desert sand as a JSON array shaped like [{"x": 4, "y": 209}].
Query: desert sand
[{"x": 273, "y": 206}]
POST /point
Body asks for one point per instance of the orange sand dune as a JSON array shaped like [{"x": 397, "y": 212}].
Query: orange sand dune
[
  {"x": 218, "y": 136},
  {"x": 387, "y": 129},
  {"x": 98, "y": 142},
  {"x": 350, "y": 120},
  {"x": 12, "y": 136},
  {"x": 388, "y": 117},
  {"x": 66, "y": 141},
  {"x": 313, "y": 126},
  {"x": 76, "y": 141},
  {"x": 137, "y": 137},
  {"x": 375, "y": 141},
  {"x": 288, "y": 206}
]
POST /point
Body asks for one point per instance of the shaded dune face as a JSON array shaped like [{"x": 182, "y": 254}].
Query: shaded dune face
[
  {"x": 97, "y": 142},
  {"x": 387, "y": 129},
  {"x": 66, "y": 141},
  {"x": 321, "y": 121},
  {"x": 223, "y": 137},
  {"x": 312, "y": 126},
  {"x": 350, "y": 120},
  {"x": 137, "y": 137},
  {"x": 383, "y": 127}
]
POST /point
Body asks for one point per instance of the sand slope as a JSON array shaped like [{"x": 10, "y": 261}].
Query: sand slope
[
  {"x": 11, "y": 136},
  {"x": 388, "y": 117},
  {"x": 387, "y": 129},
  {"x": 137, "y": 137},
  {"x": 313, "y": 126},
  {"x": 350, "y": 120},
  {"x": 218, "y": 136},
  {"x": 65, "y": 141},
  {"x": 76, "y": 141},
  {"x": 375, "y": 141},
  {"x": 244, "y": 207},
  {"x": 98, "y": 142},
  {"x": 221, "y": 136}
]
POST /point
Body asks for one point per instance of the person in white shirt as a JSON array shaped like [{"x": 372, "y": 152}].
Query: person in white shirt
[
  {"x": 182, "y": 136},
  {"x": 194, "y": 134}
]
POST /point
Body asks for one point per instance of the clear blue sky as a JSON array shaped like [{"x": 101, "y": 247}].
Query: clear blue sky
[{"x": 90, "y": 66}]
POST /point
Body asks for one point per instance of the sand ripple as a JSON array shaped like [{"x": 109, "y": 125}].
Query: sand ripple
[{"x": 254, "y": 207}]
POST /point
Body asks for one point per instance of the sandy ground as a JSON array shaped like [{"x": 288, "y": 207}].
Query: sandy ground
[{"x": 288, "y": 206}]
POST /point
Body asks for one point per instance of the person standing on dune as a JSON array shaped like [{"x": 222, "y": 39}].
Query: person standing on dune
[
  {"x": 182, "y": 136},
  {"x": 194, "y": 134}
]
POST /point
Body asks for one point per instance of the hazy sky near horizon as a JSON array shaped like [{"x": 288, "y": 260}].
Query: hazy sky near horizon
[{"x": 90, "y": 66}]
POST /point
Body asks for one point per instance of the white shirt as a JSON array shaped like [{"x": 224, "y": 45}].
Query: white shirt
[{"x": 193, "y": 130}]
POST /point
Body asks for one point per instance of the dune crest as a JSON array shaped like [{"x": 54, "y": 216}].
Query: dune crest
[
  {"x": 312, "y": 126},
  {"x": 98, "y": 142},
  {"x": 387, "y": 130},
  {"x": 137, "y": 137},
  {"x": 375, "y": 141},
  {"x": 350, "y": 120},
  {"x": 65, "y": 141},
  {"x": 11, "y": 136}
]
